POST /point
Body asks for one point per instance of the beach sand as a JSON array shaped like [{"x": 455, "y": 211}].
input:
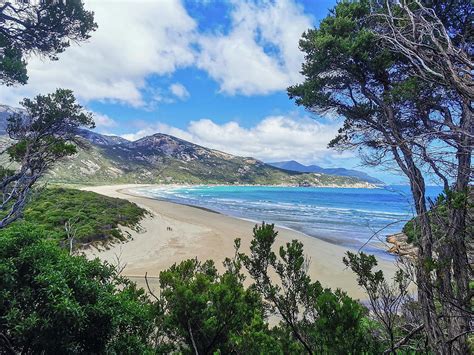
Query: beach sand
[{"x": 177, "y": 232}]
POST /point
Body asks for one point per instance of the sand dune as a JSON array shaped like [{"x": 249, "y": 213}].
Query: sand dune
[{"x": 176, "y": 232}]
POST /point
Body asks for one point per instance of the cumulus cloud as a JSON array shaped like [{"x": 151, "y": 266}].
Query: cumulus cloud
[
  {"x": 179, "y": 90},
  {"x": 134, "y": 39},
  {"x": 103, "y": 121},
  {"x": 260, "y": 53},
  {"x": 274, "y": 138}
]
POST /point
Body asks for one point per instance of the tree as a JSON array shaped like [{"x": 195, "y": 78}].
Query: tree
[
  {"x": 204, "y": 312},
  {"x": 391, "y": 304},
  {"x": 439, "y": 49},
  {"x": 40, "y": 27},
  {"x": 436, "y": 43},
  {"x": 44, "y": 133},
  {"x": 322, "y": 321},
  {"x": 51, "y": 302},
  {"x": 391, "y": 114}
]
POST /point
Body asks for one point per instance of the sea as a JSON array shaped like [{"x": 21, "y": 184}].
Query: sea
[{"x": 357, "y": 218}]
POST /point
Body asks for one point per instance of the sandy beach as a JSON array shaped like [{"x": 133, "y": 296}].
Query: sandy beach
[{"x": 175, "y": 232}]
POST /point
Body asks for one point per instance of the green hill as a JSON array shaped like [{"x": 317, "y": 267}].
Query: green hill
[{"x": 93, "y": 217}]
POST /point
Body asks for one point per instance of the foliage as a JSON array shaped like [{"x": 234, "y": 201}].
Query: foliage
[
  {"x": 94, "y": 217},
  {"x": 321, "y": 320},
  {"x": 12, "y": 64},
  {"x": 439, "y": 216},
  {"x": 48, "y": 122},
  {"x": 43, "y": 134},
  {"x": 368, "y": 62},
  {"x": 205, "y": 312},
  {"x": 40, "y": 27},
  {"x": 51, "y": 302},
  {"x": 391, "y": 305}
]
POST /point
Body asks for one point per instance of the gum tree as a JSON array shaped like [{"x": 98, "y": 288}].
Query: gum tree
[{"x": 392, "y": 116}]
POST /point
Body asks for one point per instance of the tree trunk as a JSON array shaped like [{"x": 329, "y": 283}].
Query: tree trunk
[
  {"x": 458, "y": 238},
  {"x": 426, "y": 297},
  {"x": 425, "y": 258}
]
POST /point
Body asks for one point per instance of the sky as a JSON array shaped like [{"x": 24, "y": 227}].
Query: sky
[{"x": 212, "y": 72}]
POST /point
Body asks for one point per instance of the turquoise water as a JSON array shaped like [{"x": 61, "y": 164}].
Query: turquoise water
[{"x": 348, "y": 217}]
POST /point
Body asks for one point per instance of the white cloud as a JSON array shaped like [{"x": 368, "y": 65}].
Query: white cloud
[
  {"x": 274, "y": 138},
  {"x": 134, "y": 39},
  {"x": 179, "y": 90},
  {"x": 260, "y": 53},
  {"x": 102, "y": 120}
]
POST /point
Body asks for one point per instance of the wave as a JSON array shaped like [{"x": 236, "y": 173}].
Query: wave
[
  {"x": 334, "y": 215},
  {"x": 275, "y": 204}
]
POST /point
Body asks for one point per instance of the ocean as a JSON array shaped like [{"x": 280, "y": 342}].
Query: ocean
[{"x": 353, "y": 217}]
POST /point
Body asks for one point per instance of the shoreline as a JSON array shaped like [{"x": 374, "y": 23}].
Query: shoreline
[
  {"x": 206, "y": 234},
  {"x": 379, "y": 251}
]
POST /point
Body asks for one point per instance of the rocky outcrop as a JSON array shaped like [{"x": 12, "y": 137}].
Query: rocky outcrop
[{"x": 400, "y": 245}]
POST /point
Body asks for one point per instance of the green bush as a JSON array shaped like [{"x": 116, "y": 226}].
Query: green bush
[
  {"x": 439, "y": 215},
  {"x": 94, "y": 217},
  {"x": 54, "y": 303},
  {"x": 199, "y": 305}
]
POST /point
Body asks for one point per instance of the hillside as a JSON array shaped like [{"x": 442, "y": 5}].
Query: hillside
[
  {"x": 295, "y": 166},
  {"x": 162, "y": 158}
]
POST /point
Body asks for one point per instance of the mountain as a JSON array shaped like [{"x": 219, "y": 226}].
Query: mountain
[
  {"x": 161, "y": 158},
  {"x": 100, "y": 139},
  {"x": 292, "y": 165}
]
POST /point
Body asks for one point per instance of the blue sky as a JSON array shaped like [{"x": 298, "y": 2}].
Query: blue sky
[{"x": 211, "y": 72}]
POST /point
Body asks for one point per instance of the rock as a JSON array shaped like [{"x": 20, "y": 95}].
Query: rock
[{"x": 401, "y": 246}]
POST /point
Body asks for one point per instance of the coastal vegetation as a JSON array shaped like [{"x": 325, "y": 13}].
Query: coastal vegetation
[
  {"x": 41, "y": 136},
  {"x": 439, "y": 216},
  {"x": 84, "y": 215},
  {"x": 51, "y": 302},
  {"x": 398, "y": 73},
  {"x": 55, "y": 303},
  {"x": 42, "y": 28}
]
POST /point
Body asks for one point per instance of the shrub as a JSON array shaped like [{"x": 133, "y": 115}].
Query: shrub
[{"x": 51, "y": 302}]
